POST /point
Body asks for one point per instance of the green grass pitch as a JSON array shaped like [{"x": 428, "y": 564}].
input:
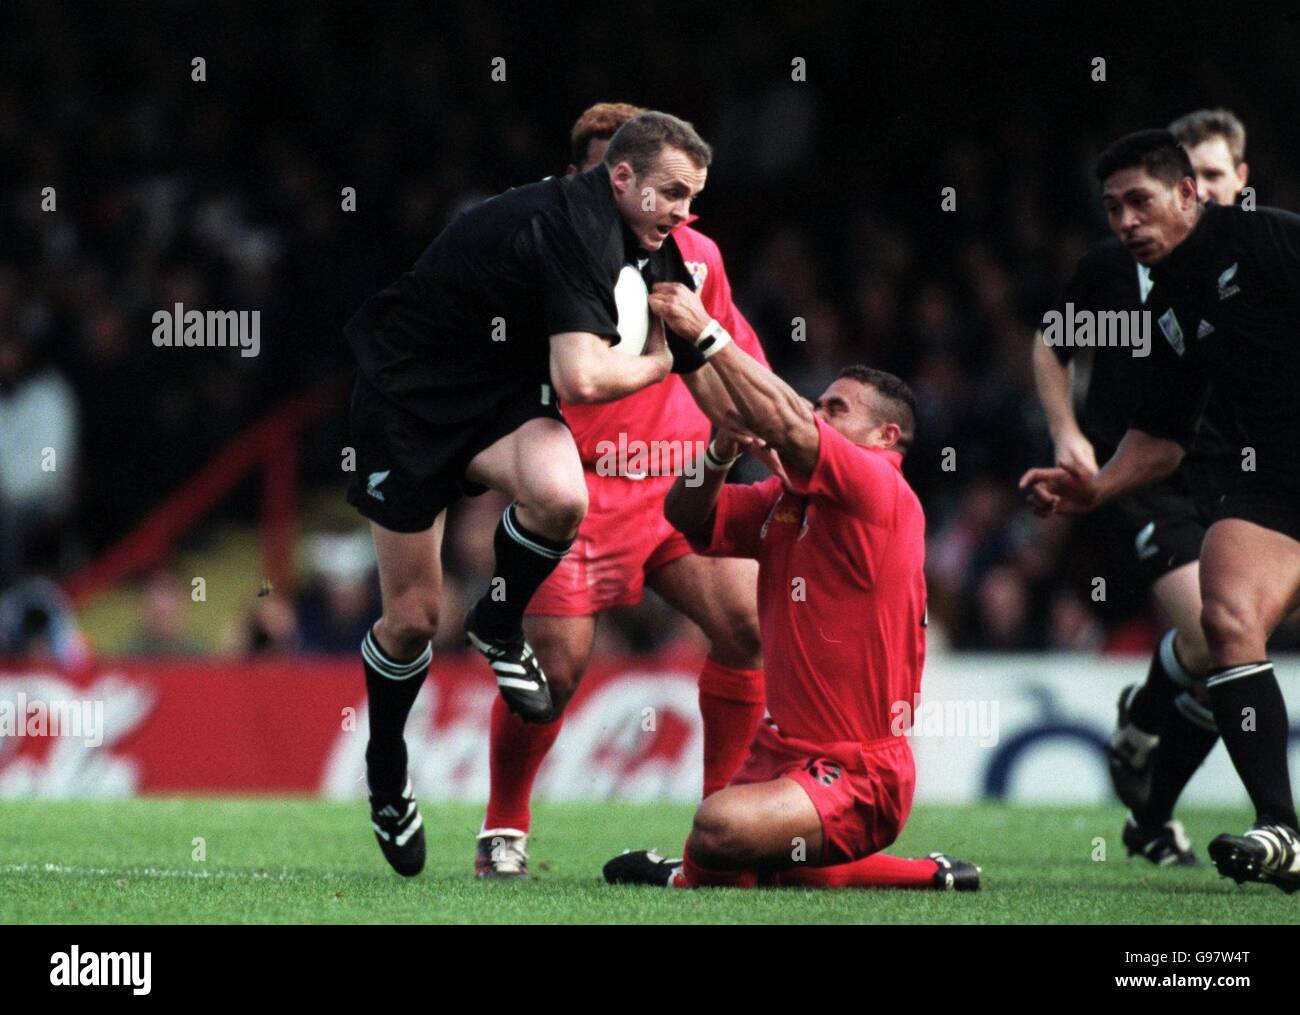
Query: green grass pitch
[{"x": 298, "y": 861}]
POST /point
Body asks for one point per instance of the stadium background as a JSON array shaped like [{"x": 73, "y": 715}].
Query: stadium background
[{"x": 825, "y": 199}]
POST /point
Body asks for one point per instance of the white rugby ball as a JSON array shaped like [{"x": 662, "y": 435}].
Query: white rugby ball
[{"x": 630, "y": 295}]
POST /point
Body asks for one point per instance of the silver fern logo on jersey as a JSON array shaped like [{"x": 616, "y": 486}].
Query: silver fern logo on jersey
[
  {"x": 1227, "y": 287},
  {"x": 372, "y": 483}
]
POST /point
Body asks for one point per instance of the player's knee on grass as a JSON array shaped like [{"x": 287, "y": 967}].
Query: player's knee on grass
[
  {"x": 1233, "y": 632},
  {"x": 718, "y": 836}
]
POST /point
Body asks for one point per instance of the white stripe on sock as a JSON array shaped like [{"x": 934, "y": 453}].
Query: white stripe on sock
[
  {"x": 1169, "y": 660},
  {"x": 376, "y": 658},
  {"x": 393, "y": 665},
  {"x": 1195, "y": 713},
  {"x": 515, "y": 533},
  {"x": 1237, "y": 672}
]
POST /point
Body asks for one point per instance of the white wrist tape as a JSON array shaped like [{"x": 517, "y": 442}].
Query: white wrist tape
[
  {"x": 712, "y": 339},
  {"x": 715, "y": 462}
]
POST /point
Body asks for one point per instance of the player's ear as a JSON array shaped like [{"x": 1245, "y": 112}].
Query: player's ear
[
  {"x": 572, "y": 170},
  {"x": 623, "y": 175},
  {"x": 1243, "y": 173}
]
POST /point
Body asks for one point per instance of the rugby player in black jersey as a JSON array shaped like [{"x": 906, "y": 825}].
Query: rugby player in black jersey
[
  {"x": 1232, "y": 280},
  {"x": 462, "y": 363},
  {"x": 1164, "y": 730}
]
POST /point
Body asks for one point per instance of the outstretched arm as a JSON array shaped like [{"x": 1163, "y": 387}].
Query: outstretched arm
[
  {"x": 766, "y": 406},
  {"x": 1140, "y": 459}
]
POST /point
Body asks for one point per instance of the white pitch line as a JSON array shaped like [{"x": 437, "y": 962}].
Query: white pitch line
[{"x": 158, "y": 872}]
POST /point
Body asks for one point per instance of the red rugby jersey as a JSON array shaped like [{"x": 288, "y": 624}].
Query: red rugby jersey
[
  {"x": 841, "y": 588},
  {"x": 666, "y": 411}
]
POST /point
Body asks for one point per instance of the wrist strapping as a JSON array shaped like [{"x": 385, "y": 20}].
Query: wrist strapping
[
  {"x": 715, "y": 462},
  {"x": 712, "y": 339}
]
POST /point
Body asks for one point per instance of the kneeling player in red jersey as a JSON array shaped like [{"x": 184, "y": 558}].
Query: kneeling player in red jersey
[
  {"x": 839, "y": 537},
  {"x": 625, "y": 544}
]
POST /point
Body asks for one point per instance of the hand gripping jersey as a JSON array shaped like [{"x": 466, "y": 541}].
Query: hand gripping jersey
[{"x": 667, "y": 412}]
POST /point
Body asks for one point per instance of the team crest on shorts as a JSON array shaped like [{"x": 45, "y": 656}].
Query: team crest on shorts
[
  {"x": 699, "y": 272},
  {"x": 825, "y": 772}
]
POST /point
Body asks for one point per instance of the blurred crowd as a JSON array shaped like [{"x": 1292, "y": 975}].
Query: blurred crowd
[{"x": 131, "y": 186}]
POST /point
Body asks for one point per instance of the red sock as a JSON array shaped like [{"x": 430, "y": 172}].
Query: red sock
[
  {"x": 516, "y": 750},
  {"x": 692, "y": 875},
  {"x": 880, "y": 870},
  {"x": 731, "y": 703}
]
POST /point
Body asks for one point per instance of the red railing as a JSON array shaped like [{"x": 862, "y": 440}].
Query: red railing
[{"x": 272, "y": 445}]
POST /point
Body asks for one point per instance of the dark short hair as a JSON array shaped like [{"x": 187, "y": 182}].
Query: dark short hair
[
  {"x": 895, "y": 399},
  {"x": 639, "y": 141},
  {"x": 1203, "y": 124},
  {"x": 1156, "y": 151}
]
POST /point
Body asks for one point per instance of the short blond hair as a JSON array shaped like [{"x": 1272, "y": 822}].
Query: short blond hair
[{"x": 1203, "y": 124}]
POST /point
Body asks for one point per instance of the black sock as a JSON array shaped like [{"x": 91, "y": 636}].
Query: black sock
[
  {"x": 1166, "y": 677},
  {"x": 523, "y": 561},
  {"x": 391, "y": 688},
  {"x": 1188, "y": 735},
  {"x": 1251, "y": 715}
]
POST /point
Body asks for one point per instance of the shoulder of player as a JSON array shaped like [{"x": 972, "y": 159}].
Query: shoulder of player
[
  {"x": 1249, "y": 223},
  {"x": 586, "y": 198},
  {"x": 1264, "y": 241},
  {"x": 507, "y": 213},
  {"x": 580, "y": 212}
]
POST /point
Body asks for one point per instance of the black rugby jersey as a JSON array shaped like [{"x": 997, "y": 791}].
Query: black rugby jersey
[
  {"x": 469, "y": 324},
  {"x": 1234, "y": 322},
  {"x": 1108, "y": 280}
]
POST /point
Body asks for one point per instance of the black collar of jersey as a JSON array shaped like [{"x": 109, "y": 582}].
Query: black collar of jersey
[
  {"x": 1194, "y": 253},
  {"x": 663, "y": 265},
  {"x": 596, "y": 182}
]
